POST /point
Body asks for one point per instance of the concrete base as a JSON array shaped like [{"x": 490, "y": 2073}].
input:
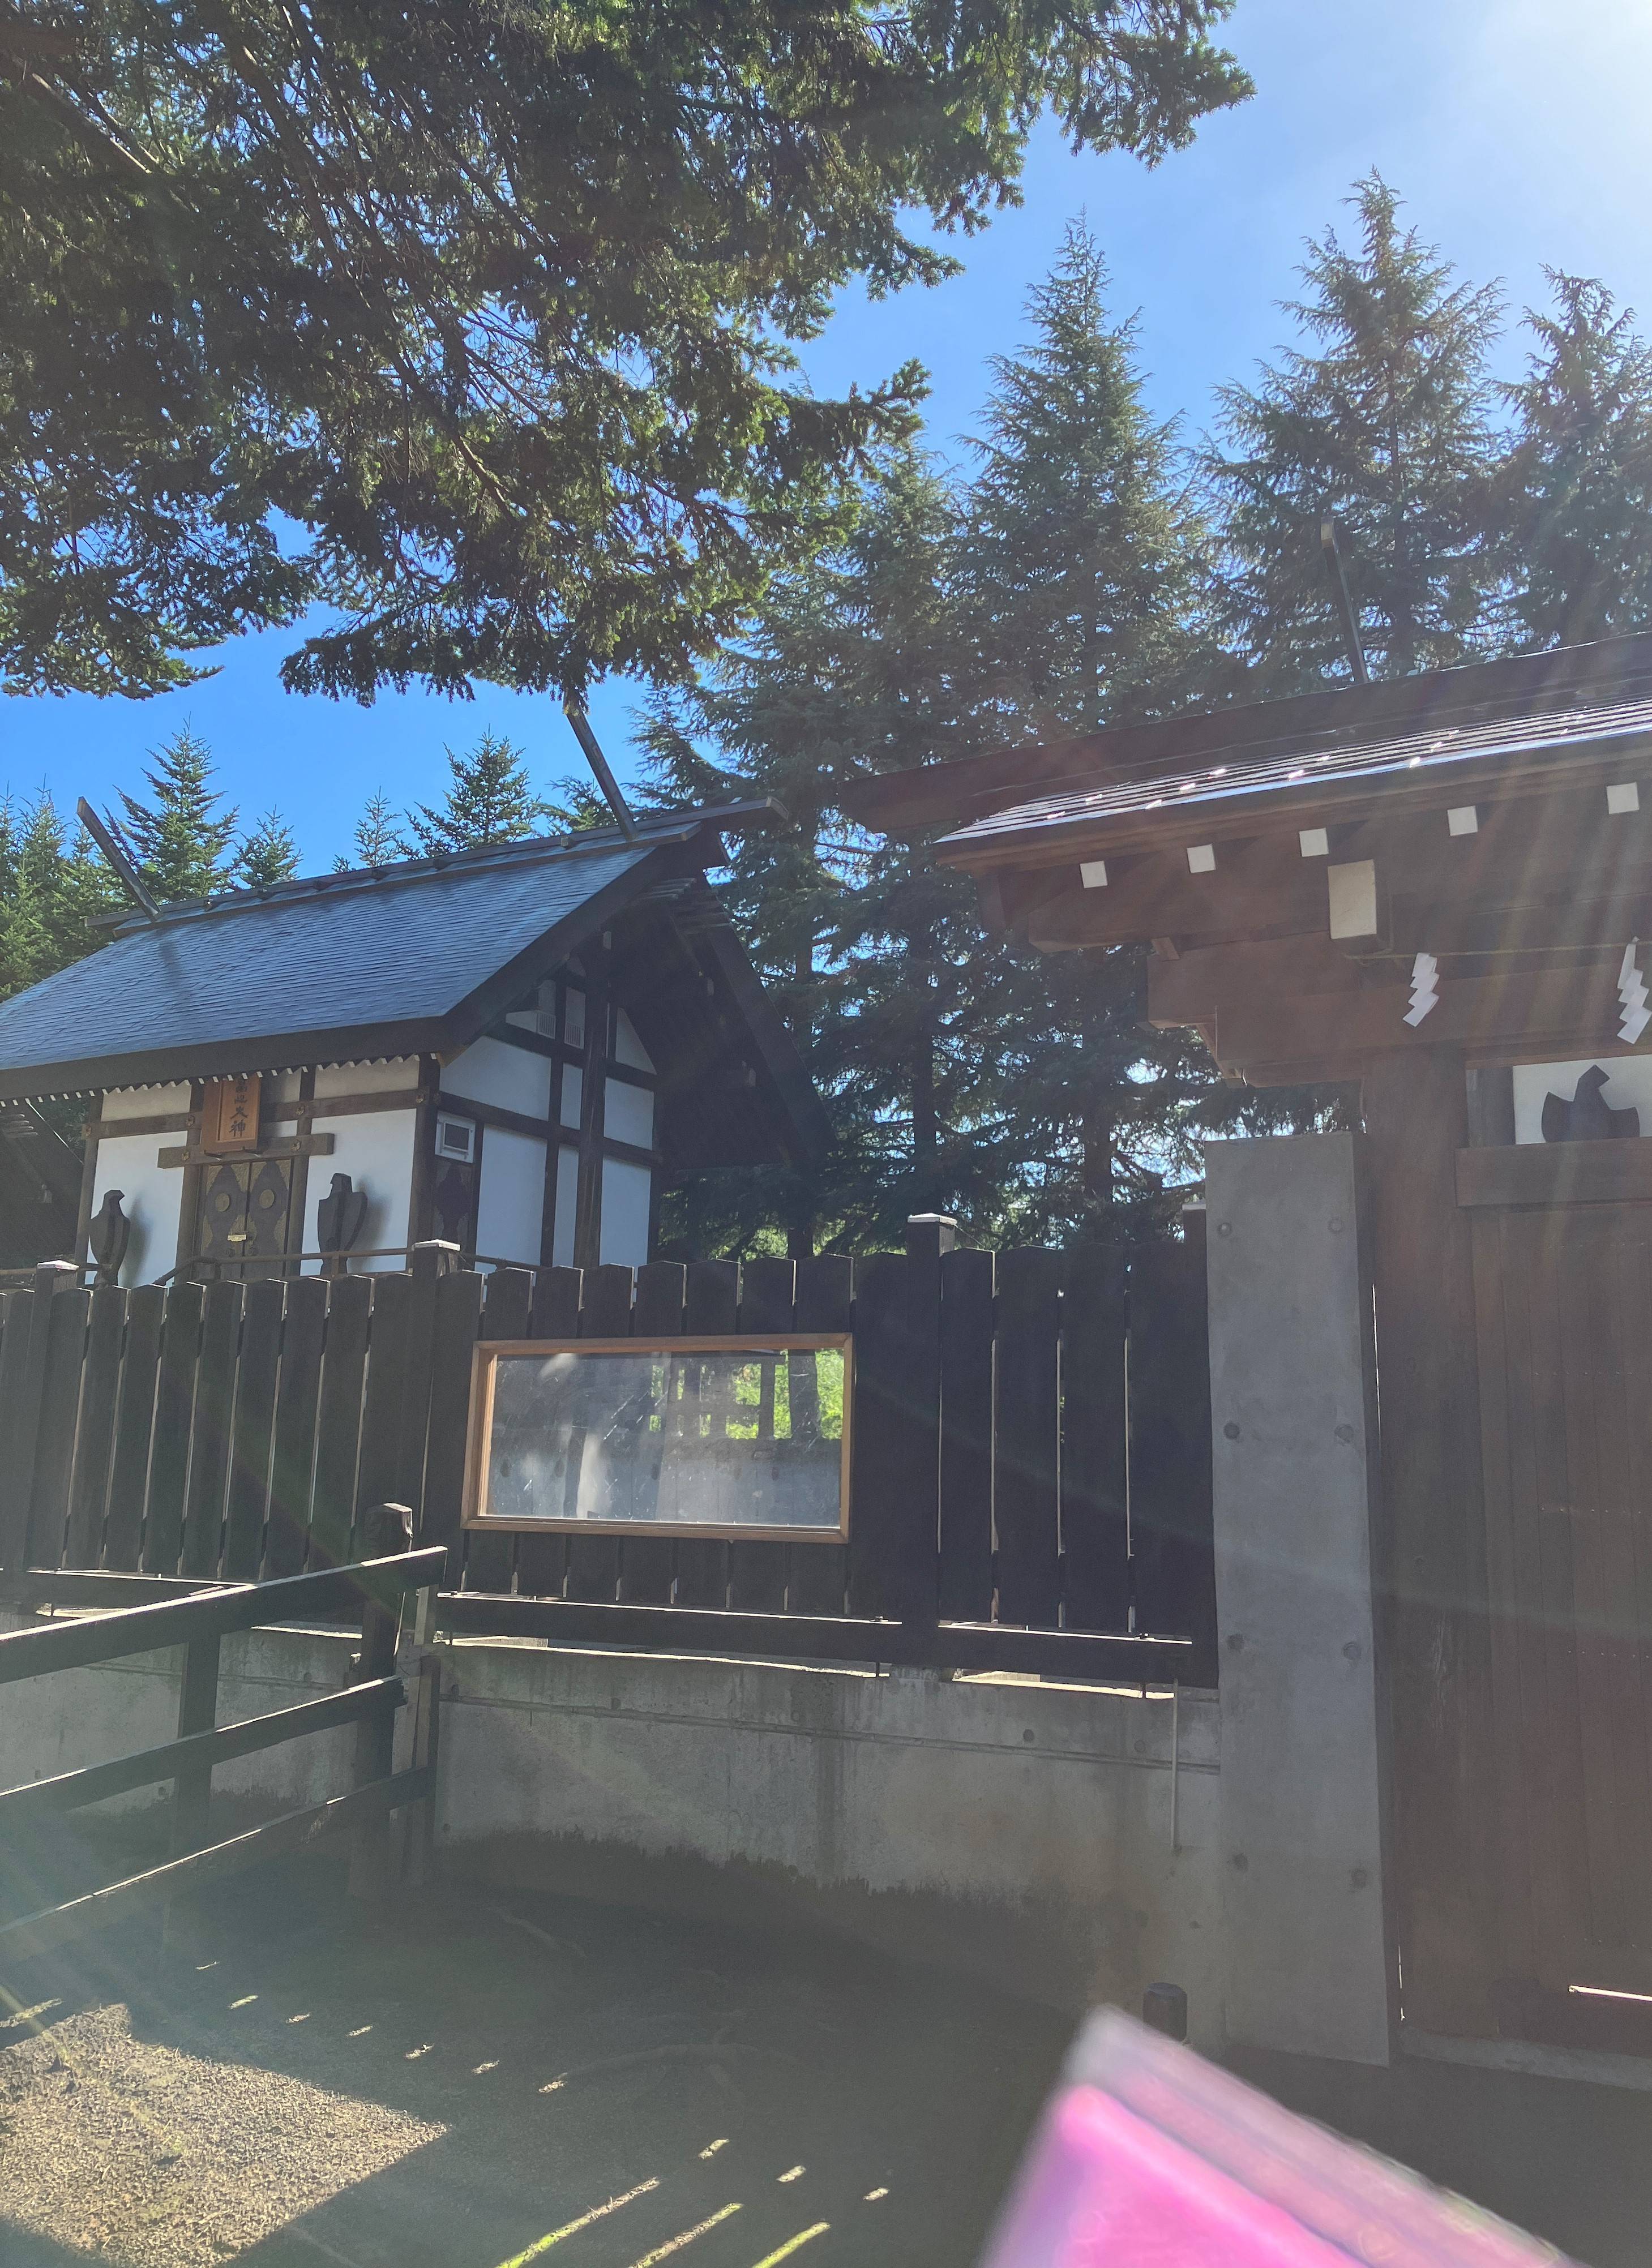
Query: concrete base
[{"x": 1015, "y": 1830}]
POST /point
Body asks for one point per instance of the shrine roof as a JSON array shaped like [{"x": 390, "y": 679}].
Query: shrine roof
[
  {"x": 1298, "y": 770},
  {"x": 421, "y": 956}
]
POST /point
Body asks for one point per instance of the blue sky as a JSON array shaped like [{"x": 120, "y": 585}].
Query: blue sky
[{"x": 1516, "y": 129}]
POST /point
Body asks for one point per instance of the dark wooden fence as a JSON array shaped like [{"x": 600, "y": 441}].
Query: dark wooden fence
[{"x": 1031, "y": 1452}]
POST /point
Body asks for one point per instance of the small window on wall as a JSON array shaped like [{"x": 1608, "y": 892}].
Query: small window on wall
[{"x": 456, "y": 1138}]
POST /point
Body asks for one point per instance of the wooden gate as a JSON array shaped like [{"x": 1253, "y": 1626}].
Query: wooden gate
[{"x": 1563, "y": 1297}]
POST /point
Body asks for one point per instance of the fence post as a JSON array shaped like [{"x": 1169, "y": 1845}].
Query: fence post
[
  {"x": 388, "y": 1529},
  {"x": 197, "y": 1712},
  {"x": 20, "y": 1454},
  {"x": 428, "y": 1262},
  {"x": 928, "y": 1236}
]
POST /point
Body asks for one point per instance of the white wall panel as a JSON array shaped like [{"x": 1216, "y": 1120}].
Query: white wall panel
[
  {"x": 510, "y": 1213},
  {"x": 152, "y": 1196},
  {"x": 375, "y": 1148},
  {"x": 626, "y": 1191},
  {"x": 628, "y": 1048},
  {"x": 567, "y": 1197},
  {"x": 1628, "y": 1084},
  {"x": 147, "y": 1101},
  {"x": 492, "y": 1070},
  {"x": 628, "y": 1114}
]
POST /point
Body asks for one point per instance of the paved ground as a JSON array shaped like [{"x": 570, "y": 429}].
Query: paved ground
[{"x": 476, "y": 2081}]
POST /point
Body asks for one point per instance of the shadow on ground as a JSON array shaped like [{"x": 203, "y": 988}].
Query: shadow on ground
[{"x": 464, "y": 2081}]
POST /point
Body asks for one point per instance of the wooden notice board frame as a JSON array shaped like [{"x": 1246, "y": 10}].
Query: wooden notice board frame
[{"x": 483, "y": 1367}]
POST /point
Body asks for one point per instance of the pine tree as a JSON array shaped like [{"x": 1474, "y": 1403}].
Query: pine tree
[
  {"x": 377, "y": 840},
  {"x": 1574, "y": 494},
  {"x": 1086, "y": 556},
  {"x": 267, "y": 853},
  {"x": 182, "y": 840},
  {"x": 1385, "y": 423},
  {"x": 489, "y": 800},
  {"x": 1087, "y": 575},
  {"x": 50, "y": 892},
  {"x": 873, "y": 953}
]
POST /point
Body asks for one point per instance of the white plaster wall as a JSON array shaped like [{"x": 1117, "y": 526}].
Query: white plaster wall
[
  {"x": 145, "y": 1101},
  {"x": 626, "y": 1190},
  {"x": 511, "y": 1207},
  {"x": 567, "y": 1199},
  {"x": 1628, "y": 1086},
  {"x": 492, "y": 1070},
  {"x": 573, "y": 1091},
  {"x": 393, "y": 1077},
  {"x": 628, "y": 1048},
  {"x": 375, "y": 1148},
  {"x": 628, "y": 1114},
  {"x": 152, "y": 1194}
]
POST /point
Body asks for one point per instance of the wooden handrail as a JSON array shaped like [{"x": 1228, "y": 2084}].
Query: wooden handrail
[{"x": 214, "y": 1613}]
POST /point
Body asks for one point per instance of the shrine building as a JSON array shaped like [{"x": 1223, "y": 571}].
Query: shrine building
[{"x": 512, "y": 1049}]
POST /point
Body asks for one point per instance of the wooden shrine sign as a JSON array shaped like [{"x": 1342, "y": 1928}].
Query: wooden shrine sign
[{"x": 230, "y": 1111}]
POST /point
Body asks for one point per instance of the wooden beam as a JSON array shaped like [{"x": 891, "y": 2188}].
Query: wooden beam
[
  {"x": 1274, "y": 1014},
  {"x": 1429, "y": 1549},
  {"x": 1556, "y": 1173}
]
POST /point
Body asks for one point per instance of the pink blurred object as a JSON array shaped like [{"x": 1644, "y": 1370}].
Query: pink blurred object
[{"x": 1149, "y": 2157}]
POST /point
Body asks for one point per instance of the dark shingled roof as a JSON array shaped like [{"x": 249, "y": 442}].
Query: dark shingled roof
[
  {"x": 304, "y": 965},
  {"x": 424, "y": 956}
]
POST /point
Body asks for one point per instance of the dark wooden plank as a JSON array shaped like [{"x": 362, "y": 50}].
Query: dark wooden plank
[
  {"x": 1499, "y": 1422},
  {"x": 1563, "y": 1897},
  {"x": 508, "y": 1305},
  {"x": 1095, "y": 1518},
  {"x": 1582, "y": 1259},
  {"x": 16, "y": 1415},
  {"x": 133, "y": 1422},
  {"x": 966, "y": 1436},
  {"x": 430, "y": 1263},
  {"x": 1555, "y": 1174},
  {"x": 254, "y": 1431},
  {"x": 542, "y": 1561},
  {"x": 338, "y": 1419},
  {"x": 1637, "y": 1327},
  {"x": 378, "y": 1468},
  {"x": 878, "y": 1515},
  {"x": 594, "y": 1560},
  {"x": 297, "y": 1400},
  {"x": 214, "y": 1413},
  {"x": 100, "y": 1394},
  {"x": 174, "y": 1411},
  {"x": 1026, "y": 1435},
  {"x": 1526, "y": 1340},
  {"x": 648, "y": 1563},
  {"x": 1620, "y": 1376},
  {"x": 757, "y": 1572},
  {"x": 817, "y": 1580},
  {"x": 60, "y": 1412},
  {"x": 458, "y": 1322},
  {"x": 1170, "y": 1530},
  {"x": 710, "y": 1308}
]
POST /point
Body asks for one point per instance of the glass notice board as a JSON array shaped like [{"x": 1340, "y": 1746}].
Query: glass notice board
[{"x": 711, "y": 1436}]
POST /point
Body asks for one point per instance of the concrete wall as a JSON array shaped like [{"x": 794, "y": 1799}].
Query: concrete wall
[
  {"x": 1012, "y": 1830},
  {"x": 1295, "y": 1449}
]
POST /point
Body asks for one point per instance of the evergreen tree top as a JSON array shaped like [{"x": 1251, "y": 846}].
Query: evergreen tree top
[
  {"x": 489, "y": 799},
  {"x": 267, "y": 853},
  {"x": 1384, "y": 420},
  {"x": 1575, "y": 492},
  {"x": 182, "y": 838}
]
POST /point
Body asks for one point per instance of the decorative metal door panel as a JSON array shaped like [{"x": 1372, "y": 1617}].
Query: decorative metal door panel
[
  {"x": 245, "y": 1207},
  {"x": 1564, "y": 1300}
]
